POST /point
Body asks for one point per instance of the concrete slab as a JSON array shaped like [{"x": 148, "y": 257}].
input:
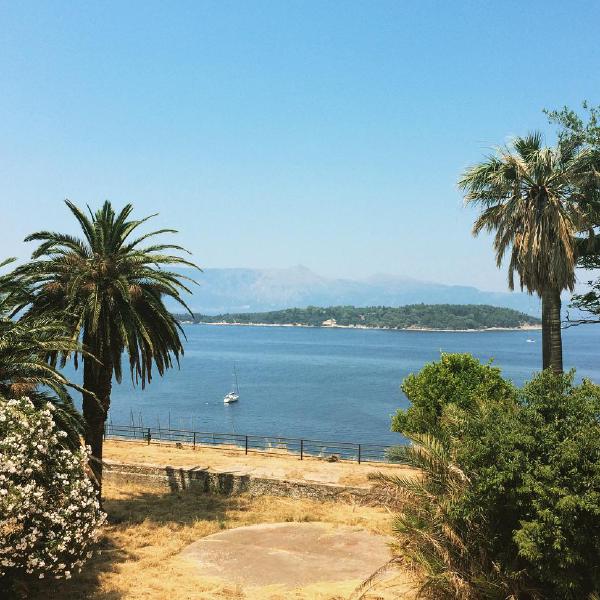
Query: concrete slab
[{"x": 289, "y": 554}]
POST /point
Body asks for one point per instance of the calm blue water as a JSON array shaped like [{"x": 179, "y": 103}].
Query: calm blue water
[{"x": 330, "y": 384}]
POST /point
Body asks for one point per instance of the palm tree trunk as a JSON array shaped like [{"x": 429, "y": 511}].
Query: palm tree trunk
[
  {"x": 551, "y": 331},
  {"x": 97, "y": 379},
  {"x": 556, "y": 358},
  {"x": 545, "y": 330}
]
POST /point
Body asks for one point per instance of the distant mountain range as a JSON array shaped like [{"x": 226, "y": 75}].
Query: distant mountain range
[{"x": 256, "y": 290}]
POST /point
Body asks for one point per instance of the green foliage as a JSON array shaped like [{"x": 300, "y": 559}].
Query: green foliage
[
  {"x": 510, "y": 508},
  {"x": 576, "y": 129},
  {"x": 110, "y": 288},
  {"x": 443, "y": 393},
  {"x": 432, "y": 538},
  {"x": 533, "y": 198},
  {"x": 583, "y": 131},
  {"x": 537, "y": 473},
  {"x": 417, "y": 316},
  {"x": 588, "y": 303},
  {"x": 25, "y": 344}
]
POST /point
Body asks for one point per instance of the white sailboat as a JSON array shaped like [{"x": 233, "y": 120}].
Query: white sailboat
[{"x": 234, "y": 394}]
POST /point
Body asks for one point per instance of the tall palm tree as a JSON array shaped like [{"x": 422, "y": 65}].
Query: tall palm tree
[
  {"x": 110, "y": 290},
  {"x": 25, "y": 344},
  {"x": 536, "y": 199}
]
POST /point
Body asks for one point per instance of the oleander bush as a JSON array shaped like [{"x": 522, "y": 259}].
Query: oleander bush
[
  {"x": 510, "y": 506},
  {"x": 49, "y": 511}
]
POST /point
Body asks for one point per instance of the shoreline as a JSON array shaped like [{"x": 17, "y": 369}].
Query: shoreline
[{"x": 365, "y": 327}]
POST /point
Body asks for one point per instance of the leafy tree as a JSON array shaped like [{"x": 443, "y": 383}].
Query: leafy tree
[
  {"x": 109, "y": 289},
  {"x": 444, "y": 393},
  {"x": 583, "y": 131},
  {"x": 587, "y": 303},
  {"x": 575, "y": 129},
  {"x": 536, "y": 199}
]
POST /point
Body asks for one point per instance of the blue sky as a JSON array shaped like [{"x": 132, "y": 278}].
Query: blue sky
[{"x": 329, "y": 134}]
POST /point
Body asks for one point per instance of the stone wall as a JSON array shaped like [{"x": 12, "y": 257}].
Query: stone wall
[{"x": 203, "y": 480}]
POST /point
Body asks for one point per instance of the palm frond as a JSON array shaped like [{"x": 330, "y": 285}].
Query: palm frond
[
  {"x": 432, "y": 539},
  {"x": 112, "y": 288},
  {"x": 26, "y": 347},
  {"x": 530, "y": 196}
]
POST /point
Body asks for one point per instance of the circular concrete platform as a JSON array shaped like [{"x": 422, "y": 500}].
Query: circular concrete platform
[{"x": 289, "y": 554}]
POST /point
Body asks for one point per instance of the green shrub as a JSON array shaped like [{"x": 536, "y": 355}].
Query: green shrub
[
  {"x": 536, "y": 474},
  {"x": 443, "y": 392},
  {"x": 510, "y": 508}
]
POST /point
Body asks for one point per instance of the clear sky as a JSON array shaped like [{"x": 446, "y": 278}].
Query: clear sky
[{"x": 329, "y": 134}]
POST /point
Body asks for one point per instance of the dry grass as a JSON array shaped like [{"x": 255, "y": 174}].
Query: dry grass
[
  {"x": 147, "y": 529},
  {"x": 280, "y": 465}
]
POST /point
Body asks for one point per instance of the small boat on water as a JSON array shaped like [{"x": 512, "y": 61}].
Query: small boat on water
[
  {"x": 234, "y": 394},
  {"x": 530, "y": 341},
  {"x": 231, "y": 397}
]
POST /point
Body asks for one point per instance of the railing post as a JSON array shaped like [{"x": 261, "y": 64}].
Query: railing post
[{"x": 375, "y": 452}]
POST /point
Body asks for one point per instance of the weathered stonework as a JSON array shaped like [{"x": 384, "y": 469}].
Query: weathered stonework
[{"x": 206, "y": 480}]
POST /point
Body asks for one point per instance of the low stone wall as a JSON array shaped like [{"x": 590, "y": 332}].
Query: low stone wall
[{"x": 204, "y": 480}]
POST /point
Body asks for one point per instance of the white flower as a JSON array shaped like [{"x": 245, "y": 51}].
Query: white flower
[{"x": 53, "y": 518}]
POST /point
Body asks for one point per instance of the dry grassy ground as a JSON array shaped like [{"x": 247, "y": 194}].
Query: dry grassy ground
[
  {"x": 280, "y": 465},
  {"x": 147, "y": 529}
]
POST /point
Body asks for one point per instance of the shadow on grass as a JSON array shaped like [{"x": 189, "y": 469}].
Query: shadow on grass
[
  {"x": 83, "y": 585},
  {"x": 125, "y": 510},
  {"x": 181, "y": 506}
]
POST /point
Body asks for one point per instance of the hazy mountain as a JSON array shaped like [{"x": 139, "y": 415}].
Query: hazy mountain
[{"x": 255, "y": 290}]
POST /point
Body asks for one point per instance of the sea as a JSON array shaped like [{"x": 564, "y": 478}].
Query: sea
[{"x": 321, "y": 383}]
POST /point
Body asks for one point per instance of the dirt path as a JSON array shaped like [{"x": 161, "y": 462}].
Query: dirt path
[{"x": 279, "y": 466}]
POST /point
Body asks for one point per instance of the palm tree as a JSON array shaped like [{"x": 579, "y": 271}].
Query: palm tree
[
  {"x": 535, "y": 199},
  {"x": 432, "y": 536},
  {"x": 428, "y": 534},
  {"x": 25, "y": 345},
  {"x": 110, "y": 290}
]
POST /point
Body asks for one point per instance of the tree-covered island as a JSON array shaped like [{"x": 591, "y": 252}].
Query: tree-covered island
[{"x": 415, "y": 316}]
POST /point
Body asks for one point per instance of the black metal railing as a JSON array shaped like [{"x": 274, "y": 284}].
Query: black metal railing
[{"x": 301, "y": 447}]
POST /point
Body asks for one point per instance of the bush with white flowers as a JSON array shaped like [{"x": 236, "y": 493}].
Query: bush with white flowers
[{"x": 49, "y": 512}]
